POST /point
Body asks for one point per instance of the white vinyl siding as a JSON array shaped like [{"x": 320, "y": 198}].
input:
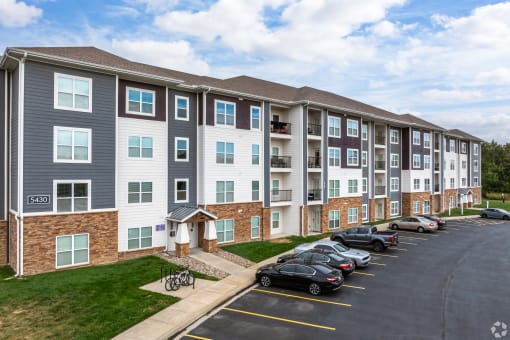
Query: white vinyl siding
[
  {"x": 72, "y": 93},
  {"x": 72, "y": 250}
]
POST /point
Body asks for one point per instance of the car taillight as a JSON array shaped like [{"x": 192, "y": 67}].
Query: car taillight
[
  {"x": 331, "y": 279},
  {"x": 345, "y": 266},
  {"x": 391, "y": 239},
  {"x": 431, "y": 224}
]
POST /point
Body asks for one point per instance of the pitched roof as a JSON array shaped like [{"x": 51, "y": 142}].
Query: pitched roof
[
  {"x": 182, "y": 214},
  {"x": 413, "y": 120},
  {"x": 463, "y": 135}
]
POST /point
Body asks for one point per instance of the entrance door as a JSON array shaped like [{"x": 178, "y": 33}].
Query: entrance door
[
  {"x": 172, "y": 232},
  {"x": 380, "y": 210},
  {"x": 193, "y": 235}
]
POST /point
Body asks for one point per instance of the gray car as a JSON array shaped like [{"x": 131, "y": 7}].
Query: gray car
[
  {"x": 417, "y": 223},
  {"x": 495, "y": 213},
  {"x": 360, "y": 257}
]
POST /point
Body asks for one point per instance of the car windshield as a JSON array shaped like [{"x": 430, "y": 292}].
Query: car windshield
[
  {"x": 336, "y": 257},
  {"x": 340, "y": 248}
]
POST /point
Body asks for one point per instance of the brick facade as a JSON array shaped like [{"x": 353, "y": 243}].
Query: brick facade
[
  {"x": 210, "y": 246},
  {"x": 265, "y": 224},
  {"x": 409, "y": 197},
  {"x": 371, "y": 210},
  {"x": 342, "y": 204},
  {"x": 447, "y": 194},
  {"x": 477, "y": 192},
  {"x": 3, "y": 243},
  {"x": 182, "y": 249},
  {"x": 40, "y": 234},
  {"x": 126, "y": 255},
  {"x": 303, "y": 219}
]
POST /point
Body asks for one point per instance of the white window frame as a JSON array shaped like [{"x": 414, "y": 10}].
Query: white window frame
[
  {"x": 426, "y": 207},
  {"x": 56, "y": 129},
  {"x": 177, "y": 139},
  {"x": 225, "y": 192},
  {"x": 394, "y": 184},
  {"x": 333, "y": 218},
  {"x": 253, "y": 155},
  {"x": 334, "y": 158},
  {"x": 394, "y": 208},
  {"x": 225, "y": 153},
  {"x": 463, "y": 147},
  {"x": 216, "y": 102},
  {"x": 139, "y": 238},
  {"x": 352, "y": 186},
  {"x": 255, "y": 191},
  {"x": 364, "y": 185},
  {"x": 140, "y": 201},
  {"x": 364, "y": 131},
  {"x": 255, "y": 226},
  {"x": 55, "y": 198},
  {"x": 416, "y": 207},
  {"x": 251, "y": 117},
  {"x": 186, "y": 180},
  {"x": 416, "y": 137},
  {"x": 452, "y": 182},
  {"x": 334, "y": 127},
  {"x": 273, "y": 220},
  {"x": 394, "y": 158},
  {"x": 394, "y": 136},
  {"x": 140, "y": 113},
  {"x": 426, "y": 184},
  {"x": 72, "y": 250},
  {"x": 426, "y": 161},
  {"x": 475, "y": 149},
  {"x": 463, "y": 181},
  {"x": 141, "y": 147},
  {"x": 364, "y": 212},
  {"x": 349, "y": 163},
  {"x": 452, "y": 145},
  {"x": 427, "y": 138},
  {"x": 364, "y": 158},
  {"x": 73, "y": 108},
  {"x": 475, "y": 165},
  {"x": 452, "y": 164},
  {"x": 225, "y": 231},
  {"x": 475, "y": 181},
  {"x": 418, "y": 163},
  {"x": 351, "y": 213},
  {"x": 416, "y": 184},
  {"x": 352, "y": 131},
  {"x": 336, "y": 190},
  {"x": 177, "y": 108}
]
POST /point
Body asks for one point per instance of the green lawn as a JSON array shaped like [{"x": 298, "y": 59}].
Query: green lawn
[
  {"x": 6, "y": 272},
  {"x": 457, "y": 212},
  {"x": 257, "y": 251},
  {"x": 496, "y": 204},
  {"x": 86, "y": 303}
]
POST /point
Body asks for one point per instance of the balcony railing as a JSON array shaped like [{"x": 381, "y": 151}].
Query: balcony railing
[
  {"x": 315, "y": 129},
  {"x": 280, "y": 127},
  {"x": 380, "y": 190},
  {"x": 314, "y": 194},
  {"x": 381, "y": 140},
  {"x": 314, "y": 162},
  {"x": 380, "y": 165},
  {"x": 436, "y": 188},
  {"x": 281, "y": 195},
  {"x": 280, "y": 162}
]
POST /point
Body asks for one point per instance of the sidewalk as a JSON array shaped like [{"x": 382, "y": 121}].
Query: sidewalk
[{"x": 196, "y": 302}]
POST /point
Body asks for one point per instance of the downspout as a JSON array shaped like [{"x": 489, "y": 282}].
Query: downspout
[
  {"x": 302, "y": 224},
  {"x": 204, "y": 126},
  {"x": 7, "y": 148}
]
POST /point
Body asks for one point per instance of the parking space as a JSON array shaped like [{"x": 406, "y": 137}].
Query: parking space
[{"x": 439, "y": 287}]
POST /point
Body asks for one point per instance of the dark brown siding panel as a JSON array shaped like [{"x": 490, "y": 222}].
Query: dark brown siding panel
[
  {"x": 200, "y": 109},
  {"x": 243, "y": 119},
  {"x": 160, "y": 109},
  {"x": 405, "y": 148}
]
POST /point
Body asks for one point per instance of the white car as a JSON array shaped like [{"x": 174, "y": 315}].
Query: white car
[{"x": 360, "y": 257}]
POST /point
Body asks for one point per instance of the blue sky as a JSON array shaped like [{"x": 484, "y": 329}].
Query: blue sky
[{"x": 445, "y": 61}]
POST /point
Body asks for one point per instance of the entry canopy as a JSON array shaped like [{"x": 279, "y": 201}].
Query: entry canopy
[
  {"x": 465, "y": 191},
  {"x": 191, "y": 214}
]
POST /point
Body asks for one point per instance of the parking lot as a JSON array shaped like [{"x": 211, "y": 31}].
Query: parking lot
[{"x": 452, "y": 284}]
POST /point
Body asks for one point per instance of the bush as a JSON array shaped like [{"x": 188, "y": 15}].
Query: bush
[{"x": 496, "y": 195}]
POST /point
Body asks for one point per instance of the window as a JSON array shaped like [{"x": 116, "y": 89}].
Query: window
[
  {"x": 334, "y": 157},
  {"x": 72, "y": 250},
  {"x": 364, "y": 185},
  {"x": 71, "y": 196},
  {"x": 364, "y": 158},
  {"x": 426, "y": 207},
  {"x": 181, "y": 149},
  {"x": 72, "y": 93},
  {"x": 352, "y": 215},
  {"x": 275, "y": 187},
  {"x": 463, "y": 181},
  {"x": 225, "y": 113},
  {"x": 225, "y": 230},
  {"x": 394, "y": 160},
  {"x": 464, "y": 164},
  {"x": 275, "y": 220},
  {"x": 72, "y": 145},
  {"x": 255, "y": 118},
  {"x": 452, "y": 146},
  {"x": 463, "y": 147},
  {"x": 452, "y": 202},
  {"x": 255, "y": 190},
  {"x": 475, "y": 149},
  {"x": 255, "y": 154},
  {"x": 394, "y": 136},
  {"x": 139, "y": 238},
  {"x": 475, "y": 181},
  {"x": 364, "y": 131},
  {"x": 139, "y": 192},
  {"x": 452, "y": 164},
  {"x": 352, "y": 186},
  {"x": 416, "y": 184},
  {"x": 352, "y": 157},
  {"x": 255, "y": 226},
  {"x": 224, "y": 153},
  {"x": 140, "y": 147},
  {"x": 416, "y": 207},
  {"x": 364, "y": 212},
  {"x": 416, "y": 161},
  {"x": 452, "y": 183},
  {"x": 181, "y": 108},
  {"x": 140, "y": 101},
  {"x": 352, "y": 128},
  {"x": 426, "y": 161},
  {"x": 394, "y": 208},
  {"x": 426, "y": 140},
  {"x": 334, "y": 188},
  {"x": 334, "y": 219},
  {"x": 224, "y": 191},
  {"x": 426, "y": 183},
  {"x": 181, "y": 190},
  {"x": 394, "y": 184},
  {"x": 333, "y": 127},
  {"x": 416, "y": 137},
  {"x": 475, "y": 165}
]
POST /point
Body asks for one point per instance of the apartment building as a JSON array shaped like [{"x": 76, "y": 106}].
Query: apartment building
[{"x": 106, "y": 159}]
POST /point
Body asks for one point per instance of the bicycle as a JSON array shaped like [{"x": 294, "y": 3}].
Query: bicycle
[{"x": 180, "y": 278}]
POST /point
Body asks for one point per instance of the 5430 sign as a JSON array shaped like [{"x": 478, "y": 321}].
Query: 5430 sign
[{"x": 38, "y": 199}]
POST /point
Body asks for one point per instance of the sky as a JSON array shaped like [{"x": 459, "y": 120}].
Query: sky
[{"x": 447, "y": 62}]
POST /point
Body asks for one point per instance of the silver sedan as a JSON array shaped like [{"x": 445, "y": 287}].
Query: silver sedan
[{"x": 417, "y": 223}]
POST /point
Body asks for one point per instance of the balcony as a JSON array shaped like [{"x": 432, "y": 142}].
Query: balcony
[
  {"x": 436, "y": 188},
  {"x": 280, "y": 127},
  {"x": 282, "y": 162},
  {"x": 380, "y": 190},
  {"x": 436, "y": 167},
  {"x": 281, "y": 195},
  {"x": 314, "y": 162},
  {"x": 380, "y": 165},
  {"x": 380, "y": 140},
  {"x": 314, "y": 194},
  {"x": 315, "y": 129}
]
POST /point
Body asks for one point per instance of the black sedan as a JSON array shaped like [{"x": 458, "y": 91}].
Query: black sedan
[
  {"x": 441, "y": 222},
  {"x": 314, "y": 278},
  {"x": 331, "y": 259}
]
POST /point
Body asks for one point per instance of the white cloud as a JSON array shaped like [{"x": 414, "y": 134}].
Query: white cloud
[
  {"x": 437, "y": 95},
  {"x": 154, "y": 6},
  {"x": 122, "y": 11},
  {"x": 376, "y": 84},
  {"x": 177, "y": 55},
  {"x": 385, "y": 28},
  {"x": 501, "y": 75},
  {"x": 18, "y": 14}
]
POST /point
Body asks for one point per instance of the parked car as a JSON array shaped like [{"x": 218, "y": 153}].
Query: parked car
[
  {"x": 417, "y": 223},
  {"x": 360, "y": 257},
  {"x": 328, "y": 258},
  {"x": 441, "y": 222},
  {"x": 315, "y": 278},
  {"x": 495, "y": 213},
  {"x": 366, "y": 235}
]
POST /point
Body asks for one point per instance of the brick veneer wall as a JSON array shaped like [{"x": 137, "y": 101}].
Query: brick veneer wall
[
  {"x": 303, "y": 219},
  {"x": 371, "y": 210},
  {"x": 447, "y": 194},
  {"x": 3, "y": 243},
  {"x": 342, "y": 204},
  {"x": 409, "y": 197},
  {"x": 477, "y": 191},
  {"x": 126, "y": 255},
  {"x": 265, "y": 224},
  {"x": 40, "y": 234}
]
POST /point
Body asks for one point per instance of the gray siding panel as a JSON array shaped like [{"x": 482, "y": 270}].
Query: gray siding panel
[
  {"x": 188, "y": 129},
  {"x": 41, "y": 117},
  {"x": 14, "y": 140},
  {"x": 305, "y": 154},
  {"x": 325, "y": 176},
  {"x": 395, "y": 172},
  {"x": 3, "y": 114},
  {"x": 266, "y": 121}
]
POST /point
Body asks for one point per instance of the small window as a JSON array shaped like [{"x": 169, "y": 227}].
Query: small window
[
  {"x": 224, "y": 191},
  {"x": 333, "y": 127},
  {"x": 181, "y": 108},
  {"x": 255, "y": 154},
  {"x": 255, "y": 118},
  {"x": 452, "y": 145},
  {"x": 452, "y": 202},
  {"x": 72, "y": 145},
  {"x": 426, "y": 140},
  {"x": 417, "y": 207},
  {"x": 394, "y": 160},
  {"x": 475, "y": 181},
  {"x": 225, "y": 113},
  {"x": 140, "y": 147},
  {"x": 394, "y": 136},
  {"x": 463, "y": 181},
  {"x": 364, "y": 158},
  {"x": 334, "y": 219},
  {"x": 181, "y": 149},
  {"x": 394, "y": 208},
  {"x": 275, "y": 220},
  {"x": 426, "y": 182},
  {"x": 352, "y": 186},
  {"x": 364, "y": 212},
  {"x": 224, "y": 153},
  {"x": 463, "y": 147},
  {"x": 352, "y": 215},
  {"x": 334, "y": 188},
  {"x": 334, "y": 157},
  {"x": 416, "y": 161},
  {"x": 475, "y": 165},
  {"x": 364, "y": 131},
  {"x": 452, "y": 183},
  {"x": 416, "y": 138},
  {"x": 352, "y": 128},
  {"x": 140, "y": 101},
  {"x": 72, "y": 250},
  {"x": 416, "y": 183},
  {"x": 139, "y": 192},
  {"x": 464, "y": 165},
  {"x": 255, "y": 227},
  {"x": 475, "y": 149},
  {"x": 73, "y": 93},
  {"x": 452, "y": 164},
  {"x": 394, "y": 184},
  {"x": 181, "y": 190},
  {"x": 255, "y": 190},
  {"x": 139, "y": 238},
  {"x": 352, "y": 157},
  {"x": 426, "y": 161},
  {"x": 71, "y": 196},
  {"x": 225, "y": 230},
  {"x": 364, "y": 185}
]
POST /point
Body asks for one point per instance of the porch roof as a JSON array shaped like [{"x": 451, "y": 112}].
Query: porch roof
[
  {"x": 182, "y": 214},
  {"x": 465, "y": 191}
]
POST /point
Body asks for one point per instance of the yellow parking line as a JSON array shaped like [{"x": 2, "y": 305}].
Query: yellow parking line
[
  {"x": 361, "y": 273},
  {"x": 386, "y": 255},
  {"x": 377, "y": 263},
  {"x": 197, "y": 337},
  {"x": 413, "y": 244},
  {"x": 280, "y": 319},
  {"x": 302, "y": 297},
  {"x": 354, "y": 287}
]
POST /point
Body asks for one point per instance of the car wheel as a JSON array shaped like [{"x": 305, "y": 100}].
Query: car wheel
[
  {"x": 421, "y": 230},
  {"x": 314, "y": 288},
  {"x": 394, "y": 226},
  {"x": 484, "y": 215},
  {"x": 265, "y": 281},
  {"x": 378, "y": 246},
  {"x": 505, "y": 217}
]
